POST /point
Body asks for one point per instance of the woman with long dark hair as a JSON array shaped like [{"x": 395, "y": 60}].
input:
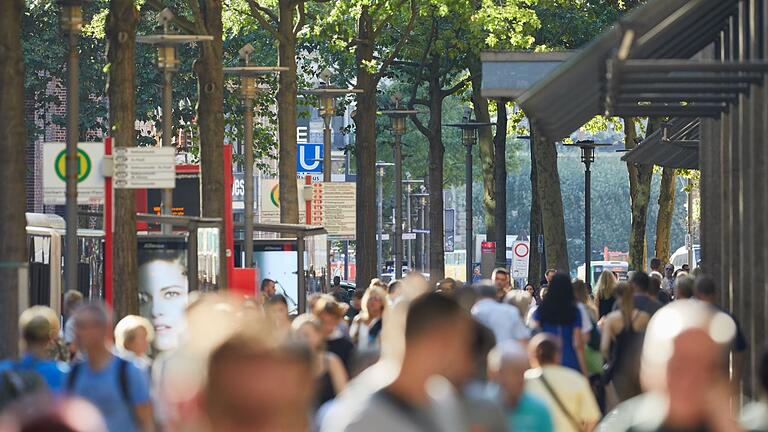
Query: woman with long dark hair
[{"x": 558, "y": 315}]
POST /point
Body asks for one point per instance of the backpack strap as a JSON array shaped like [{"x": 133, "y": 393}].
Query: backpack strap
[
  {"x": 122, "y": 376},
  {"x": 72, "y": 377},
  {"x": 560, "y": 403}
]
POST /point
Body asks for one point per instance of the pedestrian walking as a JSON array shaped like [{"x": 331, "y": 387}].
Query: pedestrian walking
[
  {"x": 133, "y": 337},
  {"x": 622, "y": 340},
  {"x": 606, "y": 283},
  {"x": 331, "y": 313},
  {"x": 366, "y": 328},
  {"x": 558, "y": 315},
  {"x": 114, "y": 385},
  {"x": 503, "y": 319},
  {"x": 567, "y": 392},
  {"x": 329, "y": 373},
  {"x": 507, "y": 363}
]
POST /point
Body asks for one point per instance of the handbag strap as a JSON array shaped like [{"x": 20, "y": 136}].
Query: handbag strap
[{"x": 560, "y": 403}]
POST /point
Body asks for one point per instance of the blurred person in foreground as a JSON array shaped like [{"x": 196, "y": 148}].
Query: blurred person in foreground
[
  {"x": 705, "y": 290},
  {"x": 365, "y": 330},
  {"x": 644, "y": 299},
  {"x": 503, "y": 319},
  {"x": 683, "y": 374},
  {"x": 331, "y": 314},
  {"x": 567, "y": 393},
  {"x": 447, "y": 286},
  {"x": 133, "y": 337},
  {"x": 507, "y": 363},
  {"x": 328, "y": 370},
  {"x": 115, "y": 386},
  {"x": 258, "y": 383},
  {"x": 45, "y": 414},
  {"x": 35, "y": 372},
  {"x": 355, "y": 305},
  {"x": 276, "y": 309},
  {"x": 72, "y": 300},
  {"x": 684, "y": 286},
  {"x": 754, "y": 416},
  {"x": 559, "y": 315},
  {"x": 500, "y": 278},
  {"x": 521, "y": 299},
  {"x": 622, "y": 340},
  {"x": 438, "y": 334}
]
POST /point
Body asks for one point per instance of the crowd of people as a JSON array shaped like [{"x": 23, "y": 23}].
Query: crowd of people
[{"x": 650, "y": 353}]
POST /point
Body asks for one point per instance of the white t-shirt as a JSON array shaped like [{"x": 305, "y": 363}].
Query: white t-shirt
[
  {"x": 586, "y": 320},
  {"x": 503, "y": 319}
]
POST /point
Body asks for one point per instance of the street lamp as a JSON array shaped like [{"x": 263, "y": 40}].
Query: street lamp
[
  {"x": 327, "y": 94},
  {"x": 248, "y": 90},
  {"x": 397, "y": 117},
  {"x": 380, "y": 214},
  {"x": 168, "y": 62},
  {"x": 587, "y": 158},
  {"x": 469, "y": 139},
  {"x": 71, "y": 25}
]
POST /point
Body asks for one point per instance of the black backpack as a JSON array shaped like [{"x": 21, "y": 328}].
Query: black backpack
[{"x": 18, "y": 382}]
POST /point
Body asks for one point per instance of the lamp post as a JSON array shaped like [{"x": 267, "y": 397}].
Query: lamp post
[
  {"x": 587, "y": 158},
  {"x": 248, "y": 90},
  {"x": 71, "y": 25},
  {"x": 469, "y": 139},
  {"x": 397, "y": 118},
  {"x": 327, "y": 94},
  {"x": 408, "y": 245},
  {"x": 380, "y": 215},
  {"x": 168, "y": 62},
  {"x": 422, "y": 196}
]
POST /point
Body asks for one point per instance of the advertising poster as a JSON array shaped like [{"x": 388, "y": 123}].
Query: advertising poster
[
  {"x": 164, "y": 287},
  {"x": 276, "y": 259}
]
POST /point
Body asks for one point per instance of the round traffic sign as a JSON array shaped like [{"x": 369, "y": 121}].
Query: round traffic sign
[
  {"x": 83, "y": 165},
  {"x": 521, "y": 250}
]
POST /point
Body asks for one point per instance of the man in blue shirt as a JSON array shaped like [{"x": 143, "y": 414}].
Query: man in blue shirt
[
  {"x": 115, "y": 386},
  {"x": 507, "y": 364},
  {"x": 37, "y": 335}
]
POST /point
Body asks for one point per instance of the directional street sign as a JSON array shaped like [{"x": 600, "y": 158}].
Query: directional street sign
[
  {"x": 144, "y": 168},
  {"x": 409, "y": 236}
]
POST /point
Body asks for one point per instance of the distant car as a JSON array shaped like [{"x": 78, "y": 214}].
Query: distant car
[{"x": 680, "y": 257}]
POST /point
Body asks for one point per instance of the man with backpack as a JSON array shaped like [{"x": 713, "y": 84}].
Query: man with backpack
[
  {"x": 34, "y": 373},
  {"x": 115, "y": 386}
]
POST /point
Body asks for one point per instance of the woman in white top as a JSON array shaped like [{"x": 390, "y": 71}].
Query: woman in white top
[{"x": 366, "y": 327}]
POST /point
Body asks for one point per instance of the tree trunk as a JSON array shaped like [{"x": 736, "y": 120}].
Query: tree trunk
[
  {"x": 536, "y": 255},
  {"x": 365, "y": 157},
  {"x": 436, "y": 158},
  {"x": 121, "y": 89},
  {"x": 13, "y": 137},
  {"x": 640, "y": 195},
  {"x": 551, "y": 200},
  {"x": 485, "y": 141},
  {"x": 286, "y": 115},
  {"x": 210, "y": 113},
  {"x": 666, "y": 209},
  {"x": 500, "y": 181}
]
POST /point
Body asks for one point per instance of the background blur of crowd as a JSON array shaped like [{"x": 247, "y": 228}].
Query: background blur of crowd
[{"x": 652, "y": 353}]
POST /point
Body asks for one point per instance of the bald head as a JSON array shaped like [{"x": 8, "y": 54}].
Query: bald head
[{"x": 507, "y": 353}]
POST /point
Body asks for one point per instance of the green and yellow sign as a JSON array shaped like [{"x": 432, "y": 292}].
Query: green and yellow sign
[{"x": 84, "y": 165}]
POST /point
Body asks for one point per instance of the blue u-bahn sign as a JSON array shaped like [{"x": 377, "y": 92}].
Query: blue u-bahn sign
[{"x": 309, "y": 159}]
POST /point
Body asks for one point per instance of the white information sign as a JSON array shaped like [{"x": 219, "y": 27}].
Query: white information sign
[
  {"x": 333, "y": 207},
  {"x": 521, "y": 254},
  {"x": 269, "y": 201},
  {"x": 144, "y": 168},
  {"x": 90, "y": 181}
]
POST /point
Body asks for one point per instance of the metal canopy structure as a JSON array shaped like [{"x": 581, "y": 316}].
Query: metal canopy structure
[
  {"x": 661, "y": 29},
  {"x": 675, "y": 145},
  {"x": 508, "y": 74}
]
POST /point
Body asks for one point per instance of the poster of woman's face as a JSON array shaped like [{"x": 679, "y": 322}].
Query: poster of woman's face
[{"x": 164, "y": 288}]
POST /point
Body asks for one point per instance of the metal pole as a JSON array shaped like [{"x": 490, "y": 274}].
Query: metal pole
[
  {"x": 689, "y": 243},
  {"x": 408, "y": 245},
  {"x": 587, "y": 223},
  {"x": 468, "y": 204},
  {"x": 380, "y": 222},
  {"x": 327, "y": 117},
  {"x": 424, "y": 239},
  {"x": 72, "y": 163},
  {"x": 166, "y": 207},
  {"x": 248, "y": 243},
  {"x": 398, "y": 241},
  {"x": 193, "y": 277},
  {"x": 302, "y": 288}
]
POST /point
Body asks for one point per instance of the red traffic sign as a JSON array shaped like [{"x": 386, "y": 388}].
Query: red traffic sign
[{"x": 521, "y": 250}]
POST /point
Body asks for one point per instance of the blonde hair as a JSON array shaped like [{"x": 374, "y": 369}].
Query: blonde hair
[
  {"x": 606, "y": 284},
  {"x": 521, "y": 300},
  {"x": 625, "y": 299},
  {"x": 126, "y": 329},
  {"x": 40, "y": 311},
  {"x": 371, "y": 291}
]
